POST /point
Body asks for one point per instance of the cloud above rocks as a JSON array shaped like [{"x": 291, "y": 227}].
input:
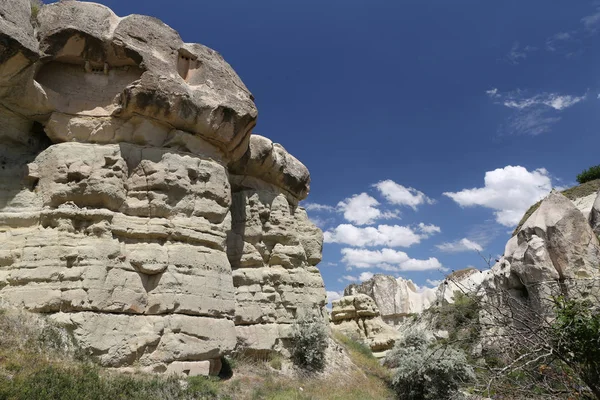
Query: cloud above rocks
[
  {"x": 509, "y": 191},
  {"x": 382, "y": 235},
  {"x": 397, "y": 194},
  {"x": 364, "y": 276},
  {"x": 460, "y": 246},
  {"x": 360, "y": 209},
  {"x": 388, "y": 260}
]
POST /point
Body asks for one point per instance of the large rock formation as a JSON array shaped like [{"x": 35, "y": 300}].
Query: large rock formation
[
  {"x": 136, "y": 208},
  {"x": 358, "y": 317},
  {"x": 555, "y": 249},
  {"x": 396, "y": 298}
]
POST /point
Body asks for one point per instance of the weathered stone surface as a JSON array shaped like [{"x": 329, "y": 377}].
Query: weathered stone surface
[
  {"x": 466, "y": 281},
  {"x": 119, "y": 216},
  {"x": 100, "y": 65},
  {"x": 395, "y": 297},
  {"x": 273, "y": 248},
  {"x": 555, "y": 246},
  {"x": 595, "y": 215},
  {"x": 18, "y": 45},
  {"x": 358, "y": 317},
  {"x": 271, "y": 163}
]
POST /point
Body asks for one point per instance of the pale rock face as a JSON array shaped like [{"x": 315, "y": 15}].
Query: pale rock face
[
  {"x": 100, "y": 73},
  {"x": 594, "y": 217},
  {"x": 358, "y": 317},
  {"x": 585, "y": 204},
  {"x": 120, "y": 218},
  {"x": 555, "y": 246},
  {"x": 271, "y": 163},
  {"x": 466, "y": 281},
  {"x": 396, "y": 298},
  {"x": 273, "y": 249}
]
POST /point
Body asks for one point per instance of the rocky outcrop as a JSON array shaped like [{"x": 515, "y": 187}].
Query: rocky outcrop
[
  {"x": 594, "y": 216},
  {"x": 136, "y": 208},
  {"x": 396, "y": 298},
  {"x": 466, "y": 281},
  {"x": 358, "y": 317},
  {"x": 554, "y": 248}
]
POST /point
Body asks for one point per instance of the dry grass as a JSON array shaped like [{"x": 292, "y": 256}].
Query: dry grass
[
  {"x": 276, "y": 379},
  {"x": 37, "y": 361}
]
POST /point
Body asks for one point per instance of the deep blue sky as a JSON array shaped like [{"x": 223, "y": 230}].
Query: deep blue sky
[{"x": 367, "y": 91}]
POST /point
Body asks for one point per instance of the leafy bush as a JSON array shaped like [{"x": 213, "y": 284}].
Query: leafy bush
[
  {"x": 589, "y": 174},
  {"x": 576, "y": 337},
  {"x": 425, "y": 372},
  {"x": 309, "y": 342}
]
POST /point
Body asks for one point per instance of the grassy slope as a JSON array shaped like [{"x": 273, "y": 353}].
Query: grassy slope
[{"x": 36, "y": 363}]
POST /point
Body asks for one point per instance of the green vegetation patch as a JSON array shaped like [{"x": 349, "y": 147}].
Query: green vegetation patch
[{"x": 589, "y": 174}]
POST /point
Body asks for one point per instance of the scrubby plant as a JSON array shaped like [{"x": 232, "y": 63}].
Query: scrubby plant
[
  {"x": 576, "y": 338},
  {"x": 589, "y": 174},
  {"x": 36, "y": 6},
  {"x": 427, "y": 371},
  {"x": 309, "y": 343}
]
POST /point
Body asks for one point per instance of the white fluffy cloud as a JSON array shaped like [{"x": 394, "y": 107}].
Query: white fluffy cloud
[
  {"x": 360, "y": 209},
  {"x": 429, "y": 229},
  {"x": 459, "y": 246},
  {"x": 510, "y": 191},
  {"x": 397, "y": 194},
  {"x": 382, "y": 235},
  {"x": 387, "y": 259}
]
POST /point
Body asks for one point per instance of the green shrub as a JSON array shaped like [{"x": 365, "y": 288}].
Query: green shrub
[
  {"x": 309, "y": 342},
  {"x": 424, "y": 372},
  {"x": 589, "y": 174},
  {"x": 576, "y": 336}
]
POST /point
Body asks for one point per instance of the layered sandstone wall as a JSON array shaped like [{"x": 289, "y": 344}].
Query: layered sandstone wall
[{"x": 136, "y": 208}]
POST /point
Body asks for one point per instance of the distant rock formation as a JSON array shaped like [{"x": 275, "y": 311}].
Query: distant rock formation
[
  {"x": 396, "y": 298},
  {"x": 136, "y": 208},
  {"x": 358, "y": 317}
]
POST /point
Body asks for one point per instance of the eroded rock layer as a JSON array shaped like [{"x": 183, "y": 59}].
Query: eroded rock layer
[
  {"x": 136, "y": 208},
  {"x": 358, "y": 317}
]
